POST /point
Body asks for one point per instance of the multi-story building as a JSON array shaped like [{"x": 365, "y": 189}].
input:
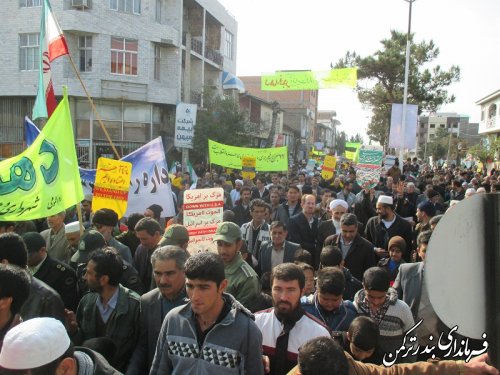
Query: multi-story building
[
  {"x": 326, "y": 130},
  {"x": 458, "y": 126},
  {"x": 300, "y": 111},
  {"x": 490, "y": 111},
  {"x": 260, "y": 116},
  {"x": 137, "y": 59}
]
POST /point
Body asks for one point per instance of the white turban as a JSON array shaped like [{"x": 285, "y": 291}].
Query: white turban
[{"x": 338, "y": 202}]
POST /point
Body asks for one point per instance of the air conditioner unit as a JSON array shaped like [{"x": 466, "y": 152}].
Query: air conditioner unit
[{"x": 81, "y": 4}]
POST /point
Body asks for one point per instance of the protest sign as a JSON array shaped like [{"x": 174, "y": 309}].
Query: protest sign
[
  {"x": 185, "y": 121},
  {"x": 248, "y": 167},
  {"x": 309, "y": 80},
  {"x": 111, "y": 187},
  {"x": 149, "y": 183},
  {"x": 369, "y": 166},
  {"x": 328, "y": 168},
  {"x": 351, "y": 150},
  {"x": 202, "y": 212},
  {"x": 43, "y": 180},
  {"x": 267, "y": 159},
  {"x": 396, "y": 137}
]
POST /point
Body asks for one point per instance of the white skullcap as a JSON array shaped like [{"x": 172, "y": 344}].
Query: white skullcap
[
  {"x": 238, "y": 182},
  {"x": 385, "y": 199},
  {"x": 338, "y": 202},
  {"x": 88, "y": 197},
  {"x": 73, "y": 227},
  {"x": 34, "y": 343},
  {"x": 470, "y": 191}
]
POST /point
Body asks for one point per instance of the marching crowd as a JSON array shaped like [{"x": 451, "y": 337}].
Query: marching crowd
[{"x": 310, "y": 275}]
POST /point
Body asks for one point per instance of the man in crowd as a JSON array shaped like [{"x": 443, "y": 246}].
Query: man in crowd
[
  {"x": 168, "y": 272},
  {"x": 242, "y": 281},
  {"x": 286, "y": 326},
  {"x": 111, "y": 310},
  {"x": 326, "y": 228},
  {"x": 276, "y": 251},
  {"x": 128, "y": 238},
  {"x": 235, "y": 193},
  {"x": 326, "y": 304},
  {"x": 356, "y": 251},
  {"x": 54, "y": 273},
  {"x": 387, "y": 224},
  {"x": 72, "y": 232},
  {"x": 255, "y": 232},
  {"x": 14, "y": 291},
  {"x": 242, "y": 209},
  {"x": 148, "y": 231},
  {"x": 347, "y": 195},
  {"x": 41, "y": 346},
  {"x": 42, "y": 300},
  {"x": 303, "y": 227},
  {"x": 55, "y": 238},
  {"x": 104, "y": 221},
  {"x": 213, "y": 333},
  {"x": 176, "y": 235},
  {"x": 260, "y": 191},
  {"x": 292, "y": 205}
]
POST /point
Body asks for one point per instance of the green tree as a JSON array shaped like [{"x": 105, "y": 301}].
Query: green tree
[
  {"x": 438, "y": 147},
  {"x": 356, "y": 138},
  {"x": 381, "y": 80},
  {"x": 222, "y": 121},
  {"x": 487, "y": 150}
]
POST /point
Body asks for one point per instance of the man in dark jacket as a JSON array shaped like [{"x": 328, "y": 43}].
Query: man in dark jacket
[
  {"x": 356, "y": 251},
  {"x": 111, "y": 311},
  {"x": 303, "y": 227},
  {"x": 54, "y": 273},
  {"x": 43, "y": 300},
  {"x": 387, "y": 224},
  {"x": 242, "y": 209}
]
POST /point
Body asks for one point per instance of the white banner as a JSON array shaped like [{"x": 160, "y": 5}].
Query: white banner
[{"x": 185, "y": 121}]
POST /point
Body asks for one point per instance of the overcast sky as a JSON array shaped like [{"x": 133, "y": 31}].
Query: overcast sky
[{"x": 291, "y": 34}]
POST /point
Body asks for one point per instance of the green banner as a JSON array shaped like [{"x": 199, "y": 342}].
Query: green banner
[
  {"x": 309, "y": 80},
  {"x": 267, "y": 159},
  {"x": 352, "y": 150},
  {"x": 44, "y": 179}
]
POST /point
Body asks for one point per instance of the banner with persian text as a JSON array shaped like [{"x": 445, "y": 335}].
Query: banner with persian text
[
  {"x": 267, "y": 159},
  {"x": 43, "y": 180},
  {"x": 309, "y": 80}
]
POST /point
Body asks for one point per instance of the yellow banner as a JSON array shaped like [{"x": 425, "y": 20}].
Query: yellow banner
[
  {"x": 267, "y": 159},
  {"x": 43, "y": 180},
  {"x": 248, "y": 167},
  {"x": 328, "y": 168},
  {"x": 309, "y": 80},
  {"x": 112, "y": 182}
]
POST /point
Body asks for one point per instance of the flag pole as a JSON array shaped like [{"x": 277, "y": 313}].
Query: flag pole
[{"x": 94, "y": 108}]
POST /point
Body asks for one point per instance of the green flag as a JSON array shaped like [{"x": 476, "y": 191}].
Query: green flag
[
  {"x": 352, "y": 150},
  {"x": 43, "y": 180}
]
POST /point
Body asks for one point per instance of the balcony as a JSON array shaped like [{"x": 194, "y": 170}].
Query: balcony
[
  {"x": 214, "y": 55},
  {"x": 196, "y": 43}
]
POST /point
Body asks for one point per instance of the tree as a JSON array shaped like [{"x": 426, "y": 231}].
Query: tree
[
  {"x": 356, "y": 138},
  {"x": 222, "y": 121},
  {"x": 487, "y": 150},
  {"x": 382, "y": 76}
]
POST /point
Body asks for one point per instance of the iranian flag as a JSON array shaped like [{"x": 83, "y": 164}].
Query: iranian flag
[{"x": 52, "y": 45}]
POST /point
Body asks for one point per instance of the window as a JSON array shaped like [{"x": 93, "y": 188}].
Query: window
[
  {"x": 29, "y": 54},
  {"x": 455, "y": 125},
  {"x": 127, "y": 6},
  {"x": 85, "y": 50},
  {"x": 124, "y": 56},
  {"x": 442, "y": 126},
  {"x": 157, "y": 66},
  {"x": 432, "y": 126},
  {"x": 229, "y": 45},
  {"x": 30, "y": 3}
]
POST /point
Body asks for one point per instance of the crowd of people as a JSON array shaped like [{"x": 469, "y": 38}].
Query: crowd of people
[{"x": 310, "y": 275}]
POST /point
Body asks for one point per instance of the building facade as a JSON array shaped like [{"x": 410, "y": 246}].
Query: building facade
[
  {"x": 300, "y": 113},
  {"x": 137, "y": 59},
  {"x": 490, "y": 112}
]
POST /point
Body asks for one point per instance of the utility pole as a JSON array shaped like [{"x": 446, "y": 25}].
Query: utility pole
[
  {"x": 187, "y": 93},
  {"x": 274, "y": 123},
  {"x": 405, "y": 94}
]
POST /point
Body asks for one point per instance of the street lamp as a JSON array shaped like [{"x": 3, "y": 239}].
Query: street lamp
[{"x": 405, "y": 93}]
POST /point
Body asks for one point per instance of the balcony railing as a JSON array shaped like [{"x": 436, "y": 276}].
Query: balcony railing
[{"x": 214, "y": 55}]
